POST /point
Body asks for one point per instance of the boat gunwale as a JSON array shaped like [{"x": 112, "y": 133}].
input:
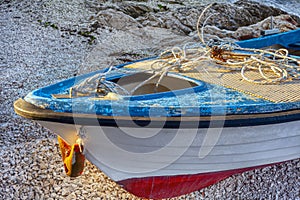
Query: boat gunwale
[
  {"x": 285, "y": 39},
  {"x": 33, "y": 112}
]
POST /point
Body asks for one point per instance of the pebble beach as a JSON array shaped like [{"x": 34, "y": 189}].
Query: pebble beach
[{"x": 43, "y": 42}]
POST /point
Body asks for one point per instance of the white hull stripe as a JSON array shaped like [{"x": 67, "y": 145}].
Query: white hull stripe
[{"x": 124, "y": 153}]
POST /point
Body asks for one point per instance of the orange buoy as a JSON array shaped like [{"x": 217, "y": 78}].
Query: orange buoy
[{"x": 72, "y": 156}]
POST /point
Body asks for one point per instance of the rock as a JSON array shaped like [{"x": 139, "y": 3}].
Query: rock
[
  {"x": 71, "y": 196},
  {"x": 135, "y": 9},
  {"x": 282, "y": 22},
  {"x": 5, "y": 165},
  {"x": 129, "y": 15},
  {"x": 114, "y": 19},
  {"x": 43, "y": 166},
  {"x": 65, "y": 191},
  {"x": 57, "y": 188},
  {"x": 31, "y": 195},
  {"x": 250, "y": 12},
  {"x": 223, "y": 16}
]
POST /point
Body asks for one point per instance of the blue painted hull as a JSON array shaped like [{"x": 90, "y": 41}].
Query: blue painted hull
[
  {"x": 207, "y": 100},
  {"x": 288, "y": 40}
]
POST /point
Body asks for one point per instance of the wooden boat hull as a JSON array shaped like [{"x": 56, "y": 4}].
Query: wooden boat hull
[
  {"x": 162, "y": 133},
  {"x": 159, "y": 163}
]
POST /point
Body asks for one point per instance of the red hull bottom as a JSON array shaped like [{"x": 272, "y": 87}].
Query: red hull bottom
[{"x": 171, "y": 186}]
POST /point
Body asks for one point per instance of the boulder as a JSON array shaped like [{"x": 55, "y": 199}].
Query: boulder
[
  {"x": 282, "y": 22},
  {"x": 111, "y": 18},
  {"x": 135, "y": 9},
  {"x": 222, "y": 15}
]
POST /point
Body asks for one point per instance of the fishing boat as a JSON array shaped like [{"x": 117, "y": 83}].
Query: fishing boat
[{"x": 188, "y": 118}]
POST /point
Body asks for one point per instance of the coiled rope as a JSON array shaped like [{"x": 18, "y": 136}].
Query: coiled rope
[{"x": 273, "y": 66}]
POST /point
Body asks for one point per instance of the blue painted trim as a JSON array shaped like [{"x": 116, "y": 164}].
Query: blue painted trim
[
  {"x": 30, "y": 111},
  {"x": 59, "y": 87},
  {"x": 201, "y": 100},
  {"x": 177, "y": 124},
  {"x": 285, "y": 39},
  {"x": 196, "y": 101}
]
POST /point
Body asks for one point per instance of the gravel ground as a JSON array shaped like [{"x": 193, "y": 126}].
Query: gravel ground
[{"x": 40, "y": 44}]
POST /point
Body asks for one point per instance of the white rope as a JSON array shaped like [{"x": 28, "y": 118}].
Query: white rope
[
  {"x": 201, "y": 33},
  {"x": 276, "y": 63},
  {"x": 273, "y": 66}
]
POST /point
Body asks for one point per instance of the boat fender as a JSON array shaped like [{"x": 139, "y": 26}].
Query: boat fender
[{"x": 73, "y": 156}]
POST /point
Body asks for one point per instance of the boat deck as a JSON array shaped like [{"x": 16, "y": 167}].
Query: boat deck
[{"x": 288, "y": 91}]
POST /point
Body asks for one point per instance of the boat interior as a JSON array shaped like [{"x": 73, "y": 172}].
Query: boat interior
[{"x": 148, "y": 83}]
